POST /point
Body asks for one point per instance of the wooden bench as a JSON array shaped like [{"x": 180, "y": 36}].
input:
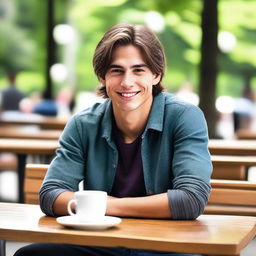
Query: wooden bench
[
  {"x": 232, "y": 167},
  {"x": 232, "y": 147},
  {"x": 232, "y": 197},
  {"x": 34, "y": 175},
  {"x": 229, "y": 197},
  {"x": 245, "y": 134}
]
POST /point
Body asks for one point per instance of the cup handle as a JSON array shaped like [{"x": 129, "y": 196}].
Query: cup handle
[{"x": 72, "y": 201}]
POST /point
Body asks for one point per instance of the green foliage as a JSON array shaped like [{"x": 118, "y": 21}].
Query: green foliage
[
  {"x": 14, "y": 57},
  {"x": 23, "y": 39},
  {"x": 21, "y": 36},
  {"x": 30, "y": 82}
]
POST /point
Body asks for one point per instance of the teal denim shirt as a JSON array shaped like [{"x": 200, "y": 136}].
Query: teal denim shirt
[{"x": 174, "y": 153}]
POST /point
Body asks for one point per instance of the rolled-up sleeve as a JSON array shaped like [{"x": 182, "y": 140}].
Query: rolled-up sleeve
[
  {"x": 188, "y": 202},
  {"x": 191, "y": 166}
]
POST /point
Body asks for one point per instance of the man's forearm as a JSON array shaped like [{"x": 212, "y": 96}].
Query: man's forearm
[
  {"x": 61, "y": 202},
  {"x": 155, "y": 206}
]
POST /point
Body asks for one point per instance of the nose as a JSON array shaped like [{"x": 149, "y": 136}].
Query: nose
[{"x": 128, "y": 80}]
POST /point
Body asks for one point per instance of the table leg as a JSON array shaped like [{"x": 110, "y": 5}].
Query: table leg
[
  {"x": 21, "y": 175},
  {"x": 2, "y": 247}
]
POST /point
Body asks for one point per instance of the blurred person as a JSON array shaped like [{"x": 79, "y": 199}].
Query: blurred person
[
  {"x": 10, "y": 101},
  {"x": 65, "y": 101},
  {"x": 66, "y": 96},
  {"x": 27, "y": 104},
  {"x": 46, "y": 106},
  {"x": 145, "y": 147},
  {"x": 11, "y": 97},
  {"x": 244, "y": 108}
]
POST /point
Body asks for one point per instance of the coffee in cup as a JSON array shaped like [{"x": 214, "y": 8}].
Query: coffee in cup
[{"x": 90, "y": 205}]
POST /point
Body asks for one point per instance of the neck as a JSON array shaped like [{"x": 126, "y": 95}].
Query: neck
[{"x": 131, "y": 123}]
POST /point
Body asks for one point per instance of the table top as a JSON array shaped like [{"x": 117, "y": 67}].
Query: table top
[
  {"x": 29, "y": 146},
  {"x": 209, "y": 234},
  {"x": 14, "y": 118},
  {"x": 28, "y": 132},
  {"x": 232, "y": 147}
]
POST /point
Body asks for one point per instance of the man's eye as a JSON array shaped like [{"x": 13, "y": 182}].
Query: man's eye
[
  {"x": 138, "y": 70},
  {"x": 115, "y": 70}
]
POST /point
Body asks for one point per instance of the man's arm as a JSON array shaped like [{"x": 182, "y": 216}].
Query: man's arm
[
  {"x": 155, "y": 206},
  {"x": 61, "y": 202}
]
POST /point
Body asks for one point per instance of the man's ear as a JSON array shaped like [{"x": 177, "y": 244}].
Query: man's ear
[
  {"x": 156, "y": 79},
  {"x": 102, "y": 81}
]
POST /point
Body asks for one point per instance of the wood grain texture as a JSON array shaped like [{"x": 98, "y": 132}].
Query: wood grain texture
[{"x": 209, "y": 234}]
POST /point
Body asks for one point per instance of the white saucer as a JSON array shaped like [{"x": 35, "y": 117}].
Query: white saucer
[{"x": 103, "y": 223}]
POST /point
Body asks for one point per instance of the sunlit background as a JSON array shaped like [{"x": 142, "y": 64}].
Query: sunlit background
[
  {"x": 77, "y": 26},
  {"x": 49, "y": 45}
]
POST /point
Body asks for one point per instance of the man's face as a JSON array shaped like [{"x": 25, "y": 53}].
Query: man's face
[{"x": 129, "y": 81}]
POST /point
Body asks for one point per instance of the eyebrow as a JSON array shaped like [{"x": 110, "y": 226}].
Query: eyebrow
[{"x": 133, "y": 66}]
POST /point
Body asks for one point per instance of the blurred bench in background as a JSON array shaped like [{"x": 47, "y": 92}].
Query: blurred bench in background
[
  {"x": 245, "y": 134},
  {"x": 34, "y": 175},
  {"x": 232, "y": 167},
  {"x": 232, "y": 197}
]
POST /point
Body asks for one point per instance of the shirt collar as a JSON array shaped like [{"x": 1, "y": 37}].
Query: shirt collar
[
  {"x": 156, "y": 115},
  {"x": 155, "y": 120}
]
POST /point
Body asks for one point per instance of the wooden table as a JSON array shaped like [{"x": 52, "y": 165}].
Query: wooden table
[
  {"x": 24, "y": 147},
  {"x": 232, "y": 147},
  {"x": 209, "y": 234},
  {"x": 17, "y": 118},
  {"x": 28, "y": 132},
  {"x": 245, "y": 134}
]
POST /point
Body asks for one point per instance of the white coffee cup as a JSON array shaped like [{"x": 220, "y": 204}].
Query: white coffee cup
[{"x": 90, "y": 205}]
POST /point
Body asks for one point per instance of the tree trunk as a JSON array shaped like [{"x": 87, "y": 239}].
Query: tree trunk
[
  {"x": 209, "y": 65},
  {"x": 51, "y": 48}
]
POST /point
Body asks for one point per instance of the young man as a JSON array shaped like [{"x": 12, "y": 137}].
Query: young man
[{"x": 147, "y": 149}]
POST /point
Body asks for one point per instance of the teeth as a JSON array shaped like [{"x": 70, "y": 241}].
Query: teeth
[{"x": 128, "y": 94}]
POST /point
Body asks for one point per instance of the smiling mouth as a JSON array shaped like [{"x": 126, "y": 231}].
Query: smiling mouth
[{"x": 128, "y": 94}]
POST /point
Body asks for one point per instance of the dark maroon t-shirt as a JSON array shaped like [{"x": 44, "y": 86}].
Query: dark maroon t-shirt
[{"x": 129, "y": 179}]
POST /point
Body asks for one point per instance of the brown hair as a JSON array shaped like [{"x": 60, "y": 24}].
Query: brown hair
[{"x": 125, "y": 34}]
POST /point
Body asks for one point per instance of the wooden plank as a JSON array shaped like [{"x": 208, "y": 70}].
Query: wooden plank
[
  {"x": 32, "y": 198},
  {"x": 232, "y": 147},
  {"x": 230, "y": 210},
  {"x": 234, "y": 160},
  {"x": 34, "y": 176},
  {"x": 32, "y": 185},
  {"x": 233, "y": 184},
  {"x": 232, "y": 167},
  {"x": 231, "y": 172},
  {"x": 245, "y": 134},
  {"x": 29, "y": 146},
  {"x": 17, "y": 132}
]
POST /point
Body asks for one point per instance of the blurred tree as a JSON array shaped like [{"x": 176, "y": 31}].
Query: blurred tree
[
  {"x": 14, "y": 56},
  {"x": 208, "y": 64},
  {"x": 181, "y": 38},
  {"x": 50, "y": 46},
  {"x": 238, "y": 61},
  {"x": 21, "y": 37}
]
